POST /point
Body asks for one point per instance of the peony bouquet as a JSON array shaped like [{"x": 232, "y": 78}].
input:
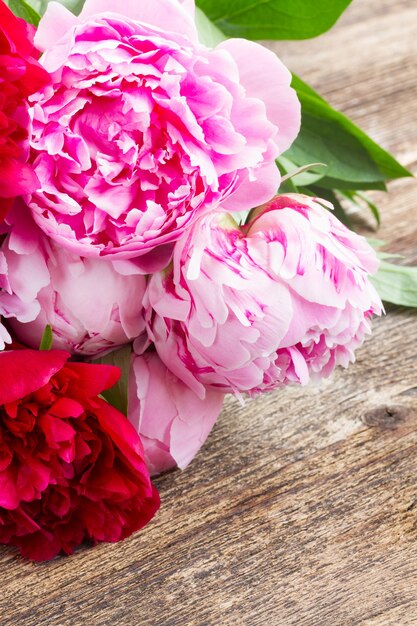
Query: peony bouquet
[{"x": 147, "y": 265}]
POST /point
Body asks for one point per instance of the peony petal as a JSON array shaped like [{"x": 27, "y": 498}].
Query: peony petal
[
  {"x": 252, "y": 193},
  {"x": 194, "y": 424},
  {"x": 154, "y": 261},
  {"x": 55, "y": 23},
  {"x": 15, "y": 30},
  {"x": 189, "y": 5},
  {"x": 172, "y": 421},
  {"x": 16, "y": 179},
  {"x": 271, "y": 85},
  {"x": 26, "y": 371},
  {"x": 90, "y": 380},
  {"x": 124, "y": 436},
  {"x": 168, "y": 15}
]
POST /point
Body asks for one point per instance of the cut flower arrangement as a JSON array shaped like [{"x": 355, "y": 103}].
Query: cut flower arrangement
[{"x": 155, "y": 253}]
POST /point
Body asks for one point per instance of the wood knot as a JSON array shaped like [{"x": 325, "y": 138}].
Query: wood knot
[{"x": 387, "y": 416}]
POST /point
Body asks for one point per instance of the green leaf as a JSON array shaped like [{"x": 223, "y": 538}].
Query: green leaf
[
  {"x": 208, "y": 33},
  {"x": 324, "y": 138},
  {"x": 24, "y": 10},
  {"x": 378, "y": 243},
  {"x": 356, "y": 197},
  {"x": 396, "y": 284},
  {"x": 336, "y": 183},
  {"x": 74, "y": 6},
  {"x": 303, "y": 88},
  {"x": 273, "y": 19},
  {"x": 47, "y": 338},
  {"x": 117, "y": 396},
  {"x": 317, "y": 111}
]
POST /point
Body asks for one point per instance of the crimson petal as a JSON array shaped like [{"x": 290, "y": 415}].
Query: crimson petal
[{"x": 26, "y": 371}]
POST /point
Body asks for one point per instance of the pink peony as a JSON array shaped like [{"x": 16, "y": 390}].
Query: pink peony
[
  {"x": 285, "y": 300},
  {"x": 173, "y": 423},
  {"x": 19, "y": 283},
  {"x": 91, "y": 306},
  {"x": 143, "y": 128},
  {"x": 4, "y": 288}
]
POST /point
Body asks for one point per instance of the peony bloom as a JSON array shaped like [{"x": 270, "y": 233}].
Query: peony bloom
[
  {"x": 91, "y": 306},
  {"x": 19, "y": 282},
  {"x": 173, "y": 423},
  {"x": 4, "y": 287},
  {"x": 71, "y": 466},
  {"x": 20, "y": 76},
  {"x": 143, "y": 128},
  {"x": 284, "y": 300}
]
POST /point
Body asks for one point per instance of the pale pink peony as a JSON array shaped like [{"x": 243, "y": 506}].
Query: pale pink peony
[
  {"x": 90, "y": 305},
  {"x": 143, "y": 129},
  {"x": 173, "y": 423},
  {"x": 4, "y": 287},
  {"x": 18, "y": 290},
  {"x": 283, "y": 300}
]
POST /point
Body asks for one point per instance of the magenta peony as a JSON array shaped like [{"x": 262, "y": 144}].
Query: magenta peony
[
  {"x": 173, "y": 423},
  {"x": 71, "y": 466},
  {"x": 90, "y": 305},
  {"x": 144, "y": 129},
  {"x": 283, "y": 300}
]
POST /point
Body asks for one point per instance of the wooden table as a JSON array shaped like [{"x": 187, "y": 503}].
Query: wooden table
[{"x": 302, "y": 507}]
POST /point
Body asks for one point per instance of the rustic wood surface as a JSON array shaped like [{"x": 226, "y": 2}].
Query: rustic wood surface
[{"x": 301, "y": 509}]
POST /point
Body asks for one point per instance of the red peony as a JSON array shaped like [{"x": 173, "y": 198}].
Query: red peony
[
  {"x": 20, "y": 76},
  {"x": 71, "y": 466}
]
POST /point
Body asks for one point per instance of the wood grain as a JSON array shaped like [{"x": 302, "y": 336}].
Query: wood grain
[{"x": 302, "y": 507}]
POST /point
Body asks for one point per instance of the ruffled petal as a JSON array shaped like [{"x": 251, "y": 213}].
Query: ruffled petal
[
  {"x": 265, "y": 77},
  {"x": 252, "y": 193},
  {"x": 55, "y": 23},
  {"x": 168, "y": 15}
]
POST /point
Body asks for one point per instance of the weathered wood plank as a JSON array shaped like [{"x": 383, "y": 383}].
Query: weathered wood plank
[{"x": 302, "y": 507}]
